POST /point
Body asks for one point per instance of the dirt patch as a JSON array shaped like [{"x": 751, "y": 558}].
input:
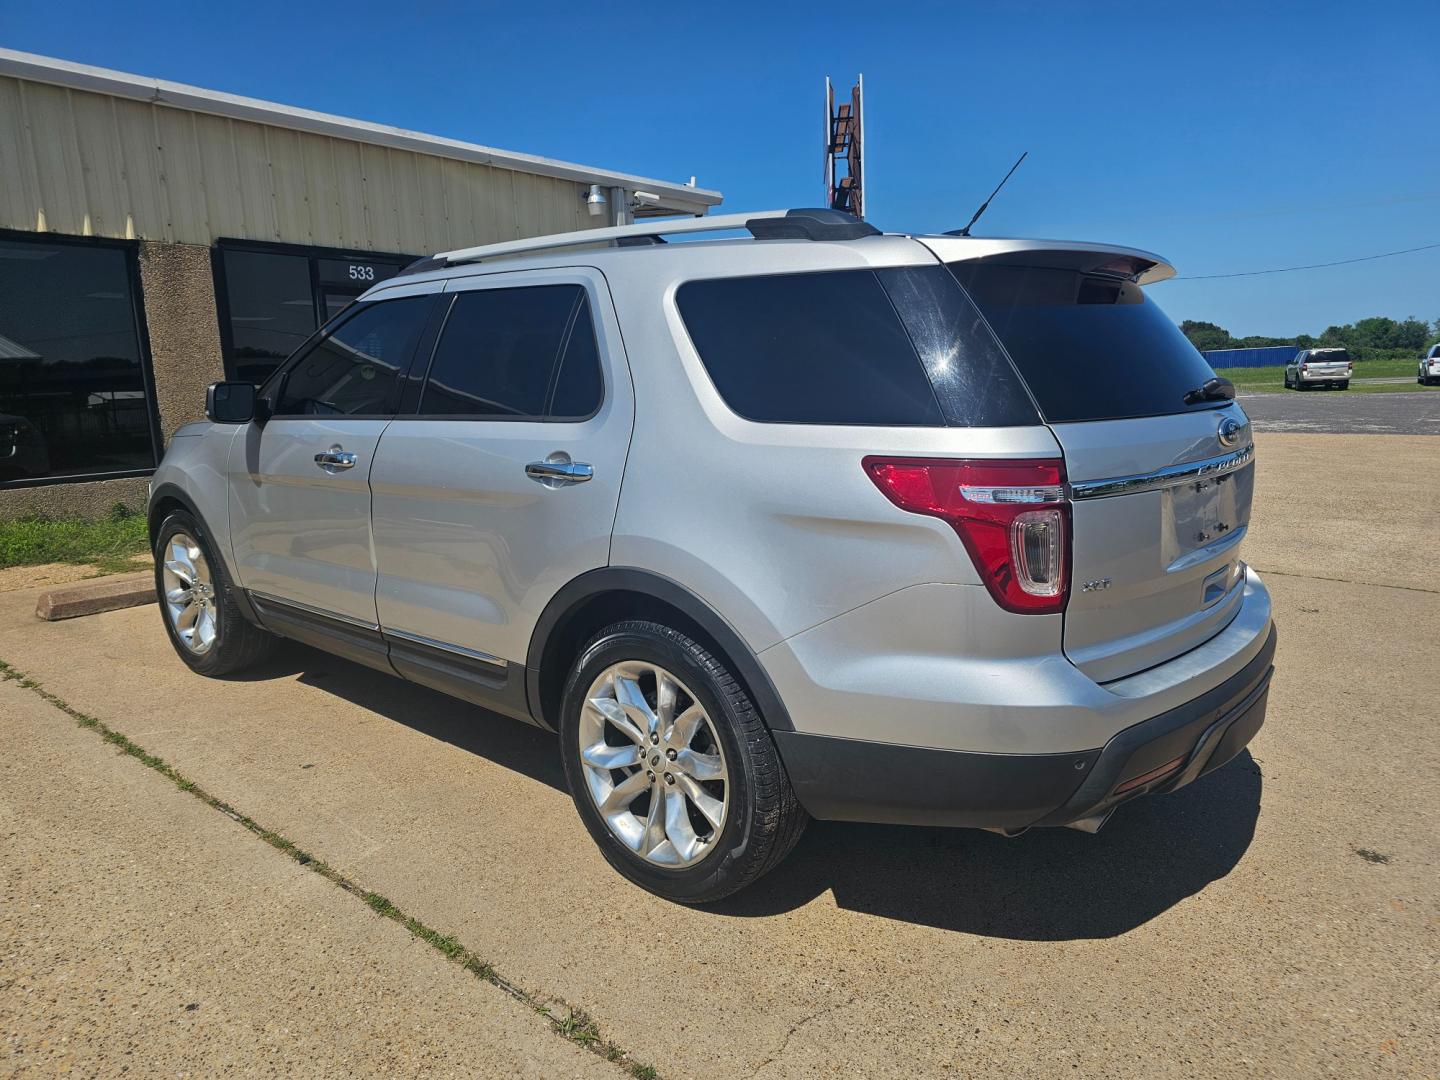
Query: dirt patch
[{"x": 13, "y": 578}]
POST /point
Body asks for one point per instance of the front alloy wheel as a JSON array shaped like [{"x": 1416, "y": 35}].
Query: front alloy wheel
[
  {"x": 189, "y": 594},
  {"x": 653, "y": 764}
]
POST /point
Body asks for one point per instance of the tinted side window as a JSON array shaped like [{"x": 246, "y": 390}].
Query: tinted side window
[
  {"x": 822, "y": 348},
  {"x": 353, "y": 370},
  {"x": 578, "y": 385},
  {"x": 498, "y": 352},
  {"x": 974, "y": 380}
]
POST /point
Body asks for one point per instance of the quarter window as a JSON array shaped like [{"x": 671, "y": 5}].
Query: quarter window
[
  {"x": 353, "y": 370},
  {"x": 527, "y": 353},
  {"x": 73, "y": 396},
  {"x": 898, "y": 347}
]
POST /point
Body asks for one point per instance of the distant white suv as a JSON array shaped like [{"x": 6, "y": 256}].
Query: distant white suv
[
  {"x": 820, "y": 522},
  {"x": 1429, "y": 373},
  {"x": 1319, "y": 367}
]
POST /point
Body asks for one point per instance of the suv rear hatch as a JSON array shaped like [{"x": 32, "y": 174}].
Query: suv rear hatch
[
  {"x": 1327, "y": 363},
  {"x": 1161, "y": 489}
]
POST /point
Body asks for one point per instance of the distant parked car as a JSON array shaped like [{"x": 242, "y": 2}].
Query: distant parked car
[
  {"x": 1429, "y": 373},
  {"x": 1319, "y": 367}
]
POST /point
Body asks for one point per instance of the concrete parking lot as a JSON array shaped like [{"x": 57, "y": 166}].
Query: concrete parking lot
[{"x": 1279, "y": 918}]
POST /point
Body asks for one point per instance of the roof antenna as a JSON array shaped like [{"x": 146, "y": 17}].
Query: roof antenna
[{"x": 986, "y": 204}]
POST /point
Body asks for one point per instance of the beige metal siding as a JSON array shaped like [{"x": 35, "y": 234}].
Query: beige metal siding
[{"x": 92, "y": 164}]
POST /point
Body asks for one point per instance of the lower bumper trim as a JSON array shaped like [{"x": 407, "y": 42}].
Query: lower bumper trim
[{"x": 841, "y": 779}]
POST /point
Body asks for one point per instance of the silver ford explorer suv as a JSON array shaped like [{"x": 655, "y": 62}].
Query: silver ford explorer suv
[{"x": 815, "y": 522}]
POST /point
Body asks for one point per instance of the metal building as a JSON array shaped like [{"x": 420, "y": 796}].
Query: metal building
[{"x": 155, "y": 237}]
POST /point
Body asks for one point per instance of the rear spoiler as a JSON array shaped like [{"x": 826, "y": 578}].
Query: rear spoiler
[{"x": 1129, "y": 264}]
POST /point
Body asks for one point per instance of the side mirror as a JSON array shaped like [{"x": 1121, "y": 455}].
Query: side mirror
[{"x": 230, "y": 402}]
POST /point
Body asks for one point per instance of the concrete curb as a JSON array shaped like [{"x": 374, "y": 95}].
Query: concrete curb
[{"x": 93, "y": 597}]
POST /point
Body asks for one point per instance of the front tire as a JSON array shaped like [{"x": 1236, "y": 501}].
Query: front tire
[
  {"x": 197, "y": 602},
  {"x": 671, "y": 767}
]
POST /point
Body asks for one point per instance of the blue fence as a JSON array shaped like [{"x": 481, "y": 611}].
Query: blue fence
[{"x": 1271, "y": 356}]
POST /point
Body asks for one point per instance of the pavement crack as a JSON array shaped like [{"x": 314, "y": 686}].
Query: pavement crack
[
  {"x": 1347, "y": 581},
  {"x": 779, "y": 1051},
  {"x": 570, "y": 1022}
]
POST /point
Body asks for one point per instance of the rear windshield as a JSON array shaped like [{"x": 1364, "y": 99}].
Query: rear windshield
[
  {"x": 1089, "y": 348},
  {"x": 1329, "y": 356},
  {"x": 898, "y": 347}
]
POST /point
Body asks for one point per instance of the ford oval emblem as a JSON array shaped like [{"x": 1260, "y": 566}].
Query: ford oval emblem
[{"x": 1229, "y": 433}]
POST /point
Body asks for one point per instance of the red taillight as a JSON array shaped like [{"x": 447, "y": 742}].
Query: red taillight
[{"x": 1012, "y": 517}]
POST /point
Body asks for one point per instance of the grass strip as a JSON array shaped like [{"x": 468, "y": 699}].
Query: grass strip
[
  {"x": 569, "y": 1022},
  {"x": 110, "y": 544}
]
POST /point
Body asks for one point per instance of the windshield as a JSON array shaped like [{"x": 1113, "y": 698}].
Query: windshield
[{"x": 1090, "y": 348}]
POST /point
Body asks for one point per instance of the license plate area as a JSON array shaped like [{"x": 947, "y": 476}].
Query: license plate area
[{"x": 1199, "y": 515}]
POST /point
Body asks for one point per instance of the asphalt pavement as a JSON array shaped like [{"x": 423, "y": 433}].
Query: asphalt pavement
[{"x": 1343, "y": 412}]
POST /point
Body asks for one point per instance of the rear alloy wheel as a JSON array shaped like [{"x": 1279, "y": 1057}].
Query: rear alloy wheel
[
  {"x": 671, "y": 766},
  {"x": 197, "y": 601},
  {"x": 653, "y": 764}
]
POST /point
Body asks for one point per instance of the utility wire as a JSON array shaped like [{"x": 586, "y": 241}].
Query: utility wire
[{"x": 1310, "y": 266}]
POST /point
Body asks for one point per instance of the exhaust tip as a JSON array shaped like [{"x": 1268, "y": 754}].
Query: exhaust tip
[{"x": 1092, "y": 824}]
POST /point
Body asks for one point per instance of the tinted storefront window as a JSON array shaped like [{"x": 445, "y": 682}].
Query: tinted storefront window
[
  {"x": 271, "y": 307},
  {"x": 274, "y": 300},
  {"x": 73, "y": 399}
]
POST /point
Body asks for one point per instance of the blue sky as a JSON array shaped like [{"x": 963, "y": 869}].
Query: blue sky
[{"x": 1227, "y": 137}]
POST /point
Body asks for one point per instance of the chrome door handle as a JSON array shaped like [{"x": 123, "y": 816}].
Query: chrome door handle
[
  {"x": 334, "y": 459},
  {"x": 559, "y": 473}
]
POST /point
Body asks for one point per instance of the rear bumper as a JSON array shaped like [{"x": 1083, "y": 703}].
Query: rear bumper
[{"x": 855, "y": 780}]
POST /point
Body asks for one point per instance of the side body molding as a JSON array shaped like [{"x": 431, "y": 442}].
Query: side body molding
[{"x": 571, "y": 600}]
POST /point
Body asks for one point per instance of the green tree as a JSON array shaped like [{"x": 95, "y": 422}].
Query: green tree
[{"x": 1206, "y": 335}]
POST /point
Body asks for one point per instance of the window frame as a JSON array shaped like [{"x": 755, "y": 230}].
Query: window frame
[
  {"x": 457, "y": 287},
  {"x": 273, "y": 387},
  {"x": 131, "y": 251},
  {"x": 311, "y": 253}
]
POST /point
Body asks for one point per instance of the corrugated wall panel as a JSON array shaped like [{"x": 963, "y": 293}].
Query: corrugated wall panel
[
  {"x": 19, "y": 186},
  {"x": 224, "y": 214},
  {"x": 135, "y": 134},
  {"x": 292, "y": 188},
  {"x": 430, "y": 187},
  {"x": 354, "y": 230},
  {"x": 160, "y": 173},
  {"x": 47, "y": 118},
  {"x": 323, "y": 195},
  {"x": 186, "y": 185}
]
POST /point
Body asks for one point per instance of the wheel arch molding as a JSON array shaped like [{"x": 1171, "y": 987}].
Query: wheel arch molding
[
  {"x": 599, "y": 597},
  {"x": 163, "y": 501}
]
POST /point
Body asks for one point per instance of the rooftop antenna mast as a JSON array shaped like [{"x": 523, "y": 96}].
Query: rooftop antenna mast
[
  {"x": 986, "y": 204},
  {"x": 844, "y": 147}
]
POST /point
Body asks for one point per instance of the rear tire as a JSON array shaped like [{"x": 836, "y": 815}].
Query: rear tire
[
  {"x": 654, "y": 760},
  {"x": 1343, "y": 385},
  {"x": 198, "y": 602}
]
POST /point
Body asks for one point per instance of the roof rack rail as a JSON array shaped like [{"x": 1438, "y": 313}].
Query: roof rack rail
[{"x": 804, "y": 224}]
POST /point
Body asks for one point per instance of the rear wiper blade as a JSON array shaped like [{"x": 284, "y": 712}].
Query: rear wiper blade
[{"x": 1216, "y": 389}]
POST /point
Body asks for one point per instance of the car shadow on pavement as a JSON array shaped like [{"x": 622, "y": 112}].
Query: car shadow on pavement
[
  {"x": 1046, "y": 885},
  {"x": 511, "y": 744}
]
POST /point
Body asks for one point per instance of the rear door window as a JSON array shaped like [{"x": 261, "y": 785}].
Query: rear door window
[
  {"x": 1089, "y": 348},
  {"x": 891, "y": 347},
  {"x": 517, "y": 354}
]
